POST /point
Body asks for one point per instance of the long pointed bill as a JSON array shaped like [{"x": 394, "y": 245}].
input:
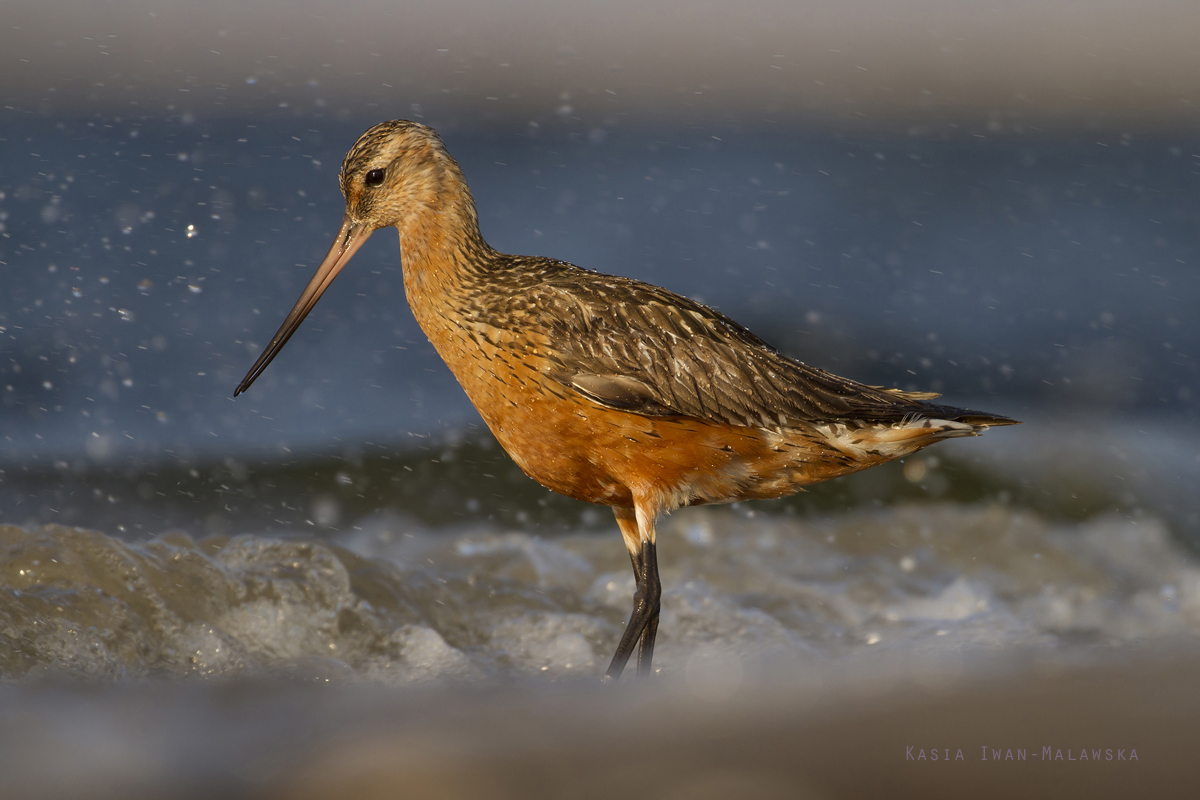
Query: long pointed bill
[{"x": 349, "y": 239}]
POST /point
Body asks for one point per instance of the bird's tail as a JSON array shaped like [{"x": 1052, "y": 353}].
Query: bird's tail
[{"x": 913, "y": 432}]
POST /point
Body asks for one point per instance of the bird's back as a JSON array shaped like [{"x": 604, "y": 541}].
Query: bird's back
[
  {"x": 597, "y": 384},
  {"x": 636, "y": 347}
]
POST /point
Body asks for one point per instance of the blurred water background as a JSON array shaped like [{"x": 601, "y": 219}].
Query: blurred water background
[{"x": 999, "y": 205}]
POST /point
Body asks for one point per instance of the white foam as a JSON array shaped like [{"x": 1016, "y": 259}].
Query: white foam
[{"x": 411, "y": 606}]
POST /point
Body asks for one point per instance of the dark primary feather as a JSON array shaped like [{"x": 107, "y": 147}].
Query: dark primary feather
[{"x": 637, "y": 347}]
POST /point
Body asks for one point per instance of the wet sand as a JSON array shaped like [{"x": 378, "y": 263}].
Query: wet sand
[{"x": 851, "y": 733}]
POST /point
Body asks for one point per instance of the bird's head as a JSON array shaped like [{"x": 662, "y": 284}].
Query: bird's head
[
  {"x": 395, "y": 171},
  {"x": 397, "y": 174}
]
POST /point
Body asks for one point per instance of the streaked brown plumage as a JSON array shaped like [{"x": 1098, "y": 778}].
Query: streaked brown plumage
[{"x": 603, "y": 388}]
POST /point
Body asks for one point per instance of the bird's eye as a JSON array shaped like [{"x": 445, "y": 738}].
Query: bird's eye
[{"x": 374, "y": 177}]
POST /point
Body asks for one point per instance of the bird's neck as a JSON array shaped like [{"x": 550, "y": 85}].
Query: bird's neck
[{"x": 441, "y": 249}]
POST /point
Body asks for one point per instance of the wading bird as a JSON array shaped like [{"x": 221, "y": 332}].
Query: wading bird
[{"x": 604, "y": 388}]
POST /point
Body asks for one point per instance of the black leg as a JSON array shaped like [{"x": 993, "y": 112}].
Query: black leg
[
  {"x": 653, "y": 593},
  {"x": 637, "y": 623},
  {"x": 643, "y": 622}
]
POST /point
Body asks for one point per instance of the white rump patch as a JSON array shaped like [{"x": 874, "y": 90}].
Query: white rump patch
[{"x": 893, "y": 441}]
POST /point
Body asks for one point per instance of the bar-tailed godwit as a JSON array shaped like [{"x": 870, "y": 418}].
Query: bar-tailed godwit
[{"x": 604, "y": 388}]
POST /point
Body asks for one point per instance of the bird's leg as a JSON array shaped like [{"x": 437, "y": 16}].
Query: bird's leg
[
  {"x": 643, "y": 622},
  {"x": 633, "y": 630},
  {"x": 652, "y": 593}
]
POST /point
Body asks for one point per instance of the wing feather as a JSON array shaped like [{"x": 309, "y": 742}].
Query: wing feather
[{"x": 637, "y": 347}]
